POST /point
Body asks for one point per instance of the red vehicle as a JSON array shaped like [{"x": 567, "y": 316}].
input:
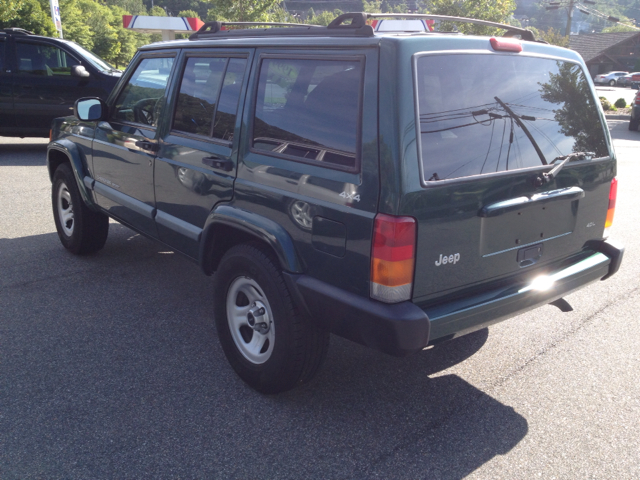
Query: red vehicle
[{"x": 635, "y": 81}]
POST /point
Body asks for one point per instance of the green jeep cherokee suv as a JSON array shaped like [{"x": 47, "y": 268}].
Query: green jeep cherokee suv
[{"x": 396, "y": 189}]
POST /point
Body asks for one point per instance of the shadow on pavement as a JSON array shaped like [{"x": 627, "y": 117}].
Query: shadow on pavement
[
  {"x": 111, "y": 368},
  {"x": 22, "y": 154}
]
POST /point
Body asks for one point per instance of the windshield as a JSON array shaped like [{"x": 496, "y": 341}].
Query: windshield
[
  {"x": 92, "y": 58},
  {"x": 490, "y": 113}
]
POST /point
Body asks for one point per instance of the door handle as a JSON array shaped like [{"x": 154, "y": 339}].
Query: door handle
[
  {"x": 146, "y": 145},
  {"x": 217, "y": 162}
]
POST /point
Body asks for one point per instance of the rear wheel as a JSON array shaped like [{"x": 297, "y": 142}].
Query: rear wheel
[
  {"x": 268, "y": 342},
  {"x": 633, "y": 124},
  {"x": 612, "y": 82},
  {"x": 81, "y": 230}
]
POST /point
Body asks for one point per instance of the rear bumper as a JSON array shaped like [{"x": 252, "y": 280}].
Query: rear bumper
[{"x": 403, "y": 328}]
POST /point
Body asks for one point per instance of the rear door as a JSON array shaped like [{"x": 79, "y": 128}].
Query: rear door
[
  {"x": 197, "y": 160},
  {"x": 490, "y": 125}
]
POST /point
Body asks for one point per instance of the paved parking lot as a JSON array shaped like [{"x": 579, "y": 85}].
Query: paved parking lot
[{"x": 110, "y": 368}]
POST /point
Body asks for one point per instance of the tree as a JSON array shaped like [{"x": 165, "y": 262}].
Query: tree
[
  {"x": 27, "y": 14},
  {"x": 9, "y": 10},
  {"x": 242, "y": 10},
  {"x": 619, "y": 28},
  {"x": 552, "y": 36},
  {"x": 493, "y": 10}
]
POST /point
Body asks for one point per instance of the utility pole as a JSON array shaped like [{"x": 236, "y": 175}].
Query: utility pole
[{"x": 569, "y": 18}]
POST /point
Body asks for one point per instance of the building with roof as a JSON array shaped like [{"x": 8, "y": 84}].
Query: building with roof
[{"x": 604, "y": 52}]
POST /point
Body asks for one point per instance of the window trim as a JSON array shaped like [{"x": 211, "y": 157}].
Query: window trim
[
  {"x": 125, "y": 82},
  {"x": 207, "y": 138},
  {"x": 504, "y": 173},
  {"x": 362, "y": 59}
]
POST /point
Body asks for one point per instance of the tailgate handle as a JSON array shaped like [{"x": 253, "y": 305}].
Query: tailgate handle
[{"x": 513, "y": 204}]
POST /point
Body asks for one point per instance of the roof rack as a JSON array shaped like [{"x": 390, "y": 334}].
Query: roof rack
[
  {"x": 510, "y": 29},
  {"x": 347, "y": 24},
  {"x": 17, "y": 31}
]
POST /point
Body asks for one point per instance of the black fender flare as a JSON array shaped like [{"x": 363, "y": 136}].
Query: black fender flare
[
  {"x": 249, "y": 225},
  {"x": 78, "y": 164}
]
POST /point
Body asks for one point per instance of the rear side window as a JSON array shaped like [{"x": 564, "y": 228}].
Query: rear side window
[
  {"x": 309, "y": 110},
  {"x": 208, "y": 99},
  {"x": 492, "y": 113},
  {"x": 143, "y": 96}
]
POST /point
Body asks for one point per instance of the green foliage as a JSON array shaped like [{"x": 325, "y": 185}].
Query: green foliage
[
  {"x": 27, "y": 14},
  {"x": 242, "y": 10},
  {"x": 9, "y": 10},
  {"x": 552, "y": 36},
  {"x": 188, "y": 14},
  {"x": 322, "y": 18},
  {"x": 157, "y": 11},
  {"x": 621, "y": 103},
  {"x": 492, "y": 10},
  {"x": 619, "y": 28},
  {"x": 606, "y": 104}
]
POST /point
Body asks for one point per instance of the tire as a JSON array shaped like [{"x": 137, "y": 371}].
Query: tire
[
  {"x": 633, "y": 125},
  {"x": 612, "y": 82},
  {"x": 267, "y": 341},
  {"x": 81, "y": 230}
]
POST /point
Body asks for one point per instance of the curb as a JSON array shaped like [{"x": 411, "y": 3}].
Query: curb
[{"x": 618, "y": 117}]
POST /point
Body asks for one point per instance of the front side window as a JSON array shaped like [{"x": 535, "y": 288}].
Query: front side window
[
  {"x": 44, "y": 60},
  {"x": 492, "y": 113},
  {"x": 309, "y": 109},
  {"x": 143, "y": 96}
]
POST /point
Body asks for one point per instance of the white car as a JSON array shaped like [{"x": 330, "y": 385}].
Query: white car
[{"x": 610, "y": 78}]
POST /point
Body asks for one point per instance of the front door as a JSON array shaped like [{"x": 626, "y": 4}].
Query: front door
[
  {"x": 44, "y": 88},
  {"x": 126, "y": 145},
  {"x": 196, "y": 165}
]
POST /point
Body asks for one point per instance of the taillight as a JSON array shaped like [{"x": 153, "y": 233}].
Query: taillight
[
  {"x": 638, "y": 98},
  {"x": 393, "y": 258},
  {"x": 613, "y": 193},
  {"x": 50, "y": 134}
]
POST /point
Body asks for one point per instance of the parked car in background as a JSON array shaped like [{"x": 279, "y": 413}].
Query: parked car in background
[
  {"x": 635, "y": 113},
  {"x": 261, "y": 155},
  {"x": 625, "y": 80},
  {"x": 610, "y": 78},
  {"x": 634, "y": 82},
  {"x": 42, "y": 77}
]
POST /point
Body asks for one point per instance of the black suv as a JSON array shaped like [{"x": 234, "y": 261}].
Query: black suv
[
  {"x": 396, "y": 189},
  {"x": 42, "y": 77}
]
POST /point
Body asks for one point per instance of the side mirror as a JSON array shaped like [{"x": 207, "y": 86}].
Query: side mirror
[
  {"x": 79, "y": 71},
  {"x": 90, "y": 109}
]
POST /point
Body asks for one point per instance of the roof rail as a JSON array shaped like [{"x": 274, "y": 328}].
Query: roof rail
[
  {"x": 511, "y": 30},
  {"x": 17, "y": 31},
  {"x": 347, "y": 24},
  {"x": 216, "y": 28}
]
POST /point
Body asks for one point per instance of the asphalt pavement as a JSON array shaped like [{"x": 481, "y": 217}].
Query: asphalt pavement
[{"x": 110, "y": 368}]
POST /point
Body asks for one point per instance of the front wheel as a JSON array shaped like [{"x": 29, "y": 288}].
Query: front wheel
[
  {"x": 270, "y": 344},
  {"x": 81, "y": 230},
  {"x": 612, "y": 82}
]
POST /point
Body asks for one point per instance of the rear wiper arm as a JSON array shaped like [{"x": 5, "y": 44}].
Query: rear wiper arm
[
  {"x": 524, "y": 128},
  {"x": 565, "y": 159}
]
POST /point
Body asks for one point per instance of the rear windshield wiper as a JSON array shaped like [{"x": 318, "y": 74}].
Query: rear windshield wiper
[
  {"x": 565, "y": 159},
  {"x": 524, "y": 128}
]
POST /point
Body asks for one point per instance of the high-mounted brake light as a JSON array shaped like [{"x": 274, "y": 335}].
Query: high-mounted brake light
[
  {"x": 613, "y": 193},
  {"x": 393, "y": 258},
  {"x": 505, "y": 44}
]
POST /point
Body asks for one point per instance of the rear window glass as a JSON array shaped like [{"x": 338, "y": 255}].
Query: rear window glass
[
  {"x": 309, "y": 109},
  {"x": 491, "y": 113}
]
